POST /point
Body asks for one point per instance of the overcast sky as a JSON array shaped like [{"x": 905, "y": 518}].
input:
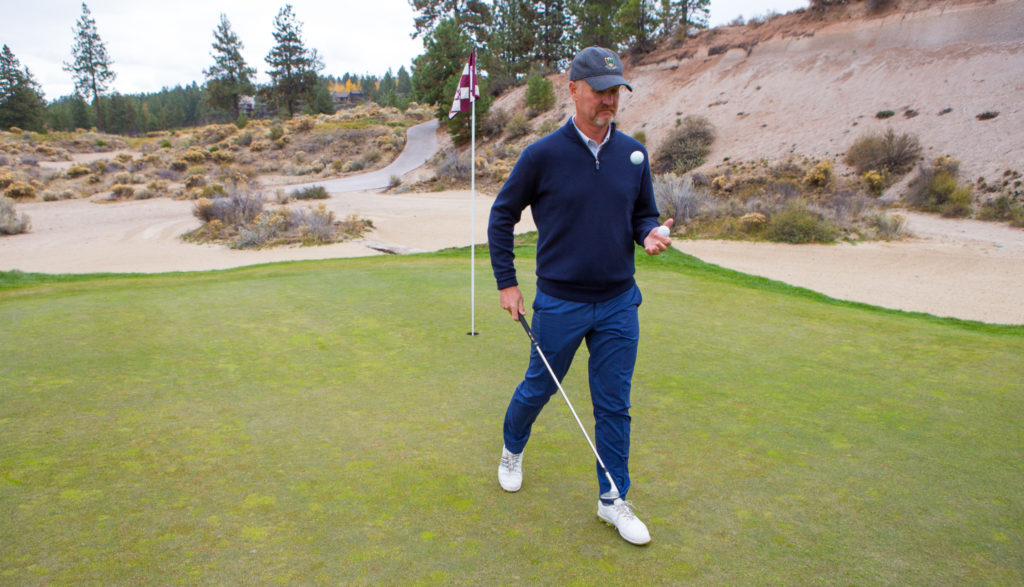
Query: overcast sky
[{"x": 157, "y": 44}]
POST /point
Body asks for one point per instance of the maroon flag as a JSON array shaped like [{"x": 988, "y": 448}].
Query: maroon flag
[{"x": 469, "y": 90}]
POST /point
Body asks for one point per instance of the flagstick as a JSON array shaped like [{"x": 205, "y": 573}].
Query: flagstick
[{"x": 472, "y": 208}]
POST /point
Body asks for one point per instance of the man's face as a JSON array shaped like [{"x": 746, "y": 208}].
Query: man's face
[{"x": 593, "y": 107}]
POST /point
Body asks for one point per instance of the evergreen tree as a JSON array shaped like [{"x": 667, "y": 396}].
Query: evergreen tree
[
  {"x": 91, "y": 67},
  {"x": 510, "y": 51},
  {"x": 597, "y": 23},
  {"x": 473, "y": 17},
  {"x": 639, "y": 22},
  {"x": 229, "y": 78},
  {"x": 552, "y": 49},
  {"x": 386, "y": 88},
  {"x": 321, "y": 103},
  {"x": 121, "y": 114},
  {"x": 683, "y": 14},
  {"x": 446, "y": 50},
  {"x": 294, "y": 69},
  {"x": 21, "y": 99},
  {"x": 403, "y": 85}
]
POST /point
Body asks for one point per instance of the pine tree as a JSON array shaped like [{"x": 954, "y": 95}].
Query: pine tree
[
  {"x": 472, "y": 17},
  {"x": 294, "y": 69},
  {"x": 639, "y": 22},
  {"x": 91, "y": 67},
  {"x": 551, "y": 22},
  {"x": 509, "y": 54},
  {"x": 403, "y": 86},
  {"x": 447, "y": 49},
  {"x": 230, "y": 77},
  {"x": 683, "y": 14},
  {"x": 596, "y": 23},
  {"x": 21, "y": 100}
]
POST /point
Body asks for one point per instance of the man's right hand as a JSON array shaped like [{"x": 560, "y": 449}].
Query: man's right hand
[{"x": 511, "y": 300}]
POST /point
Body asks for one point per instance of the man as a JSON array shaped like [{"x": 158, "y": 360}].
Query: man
[{"x": 589, "y": 189}]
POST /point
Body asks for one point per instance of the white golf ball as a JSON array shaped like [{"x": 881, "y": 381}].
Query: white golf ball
[
  {"x": 663, "y": 230},
  {"x": 636, "y": 157}
]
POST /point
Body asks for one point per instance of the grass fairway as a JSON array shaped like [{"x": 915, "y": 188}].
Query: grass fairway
[{"x": 330, "y": 422}]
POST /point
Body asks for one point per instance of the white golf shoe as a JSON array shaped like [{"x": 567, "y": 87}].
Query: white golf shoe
[
  {"x": 620, "y": 514},
  {"x": 510, "y": 470}
]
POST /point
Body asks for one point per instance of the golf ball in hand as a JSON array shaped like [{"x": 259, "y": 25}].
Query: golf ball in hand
[
  {"x": 636, "y": 157},
  {"x": 663, "y": 230}
]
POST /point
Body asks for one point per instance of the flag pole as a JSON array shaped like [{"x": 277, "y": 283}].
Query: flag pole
[
  {"x": 472, "y": 206},
  {"x": 467, "y": 92}
]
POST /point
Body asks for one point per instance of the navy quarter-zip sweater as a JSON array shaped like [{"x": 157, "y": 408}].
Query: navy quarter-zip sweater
[{"x": 589, "y": 213}]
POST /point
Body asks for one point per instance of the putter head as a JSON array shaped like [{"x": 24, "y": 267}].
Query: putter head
[{"x": 610, "y": 495}]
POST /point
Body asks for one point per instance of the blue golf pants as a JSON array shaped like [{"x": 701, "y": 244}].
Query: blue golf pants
[{"x": 612, "y": 332}]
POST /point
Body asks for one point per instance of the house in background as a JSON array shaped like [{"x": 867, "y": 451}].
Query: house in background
[{"x": 347, "y": 99}]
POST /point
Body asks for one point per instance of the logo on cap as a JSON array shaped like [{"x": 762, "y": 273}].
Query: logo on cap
[{"x": 609, "y": 63}]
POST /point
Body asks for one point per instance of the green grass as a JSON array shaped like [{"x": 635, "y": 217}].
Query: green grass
[{"x": 330, "y": 422}]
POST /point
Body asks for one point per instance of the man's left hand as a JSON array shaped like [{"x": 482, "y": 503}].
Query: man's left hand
[{"x": 656, "y": 244}]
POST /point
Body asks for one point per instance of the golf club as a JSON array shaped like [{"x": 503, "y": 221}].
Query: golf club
[{"x": 614, "y": 492}]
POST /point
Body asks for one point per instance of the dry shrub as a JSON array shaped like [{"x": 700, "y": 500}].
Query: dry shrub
[
  {"x": 819, "y": 176},
  {"x": 20, "y": 190},
  {"x": 517, "y": 126},
  {"x": 935, "y": 189},
  {"x": 223, "y": 157},
  {"x": 10, "y": 221},
  {"x": 453, "y": 165},
  {"x": 875, "y": 181},
  {"x": 312, "y": 193},
  {"x": 215, "y": 133},
  {"x": 122, "y": 191},
  {"x": 677, "y": 198},
  {"x": 494, "y": 123},
  {"x": 235, "y": 210},
  {"x": 895, "y": 154},
  {"x": 195, "y": 155},
  {"x": 798, "y": 224},
  {"x": 195, "y": 180},
  {"x": 686, "y": 147},
  {"x": 301, "y": 124},
  {"x": 7, "y": 178},
  {"x": 889, "y": 226}
]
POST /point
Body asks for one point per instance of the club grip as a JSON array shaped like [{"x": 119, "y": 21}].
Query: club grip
[{"x": 526, "y": 327}]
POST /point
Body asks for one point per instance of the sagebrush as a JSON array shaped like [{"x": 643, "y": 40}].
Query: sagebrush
[
  {"x": 686, "y": 147},
  {"x": 10, "y": 221}
]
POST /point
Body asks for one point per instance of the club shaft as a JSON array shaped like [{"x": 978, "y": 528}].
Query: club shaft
[{"x": 615, "y": 489}]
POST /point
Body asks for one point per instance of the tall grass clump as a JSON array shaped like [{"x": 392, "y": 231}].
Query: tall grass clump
[
  {"x": 10, "y": 221},
  {"x": 889, "y": 152},
  {"x": 686, "y": 147}
]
